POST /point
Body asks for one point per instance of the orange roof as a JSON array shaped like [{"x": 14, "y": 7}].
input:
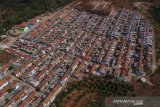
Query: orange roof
[
  {"x": 26, "y": 64},
  {"x": 16, "y": 72},
  {"x": 100, "y": 56},
  {"x": 17, "y": 96},
  {"x": 12, "y": 51},
  {"x": 41, "y": 85},
  {"x": 23, "y": 104},
  {"x": 31, "y": 68},
  {"x": 91, "y": 49},
  {"x": 4, "y": 90},
  {"x": 69, "y": 69},
  {"x": 49, "y": 76},
  {"x": 5, "y": 67},
  {"x": 2, "y": 81},
  {"x": 79, "y": 68},
  {"x": 85, "y": 48},
  {"x": 24, "y": 74},
  {"x": 92, "y": 69},
  {"x": 30, "y": 98},
  {"x": 46, "y": 101},
  {"x": 42, "y": 72}
]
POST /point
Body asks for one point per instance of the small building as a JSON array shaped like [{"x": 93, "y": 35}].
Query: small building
[{"x": 143, "y": 80}]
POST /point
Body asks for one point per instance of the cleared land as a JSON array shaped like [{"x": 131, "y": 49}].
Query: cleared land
[
  {"x": 5, "y": 57},
  {"x": 145, "y": 90},
  {"x": 91, "y": 92},
  {"x": 99, "y": 7}
]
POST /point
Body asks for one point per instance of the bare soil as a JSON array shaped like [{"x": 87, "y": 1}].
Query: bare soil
[
  {"x": 8, "y": 41},
  {"x": 142, "y": 5},
  {"x": 5, "y": 57},
  {"x": 84, "y": 100},
  {"x": 70, "y": 99},
  {"x": 100, "y": 7},
  {"x": 145, "y": 90}
]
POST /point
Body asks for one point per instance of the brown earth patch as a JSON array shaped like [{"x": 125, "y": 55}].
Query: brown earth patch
[{"x": 5, "y": 57}]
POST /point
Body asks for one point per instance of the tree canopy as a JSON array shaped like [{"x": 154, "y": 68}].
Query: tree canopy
[{"x": 16, "y": 11}]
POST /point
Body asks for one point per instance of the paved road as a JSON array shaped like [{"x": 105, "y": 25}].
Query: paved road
[{"x": 24, "y": 83}]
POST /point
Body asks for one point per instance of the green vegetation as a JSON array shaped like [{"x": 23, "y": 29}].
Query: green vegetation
[
  {"x": 5, "y": 57},
  {"x": 155, "y": 13},
  {"x": 157, "y": 54},
  {"x": 18, "y": 11},
  {"x": 10, "y": 90},
  {"x": 98, "y": 87}
]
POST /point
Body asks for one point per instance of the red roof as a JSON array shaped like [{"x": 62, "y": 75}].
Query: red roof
[
  {"x": 5, "y": 67},
  {"x": 10, "y": 50},
  {"x": 47, "y": 100},
  {"x": 4, "y": 90},
  {"x": 92, "y": 69},
  {"x": 4, "y": 80},
  {"x": 41, "y": 73},
  {"x": 17, "y": 96},
  {"x": 28, "y": 100},
  {"x": 79, "y": 68},
  {"x": 69, "y": 69}
]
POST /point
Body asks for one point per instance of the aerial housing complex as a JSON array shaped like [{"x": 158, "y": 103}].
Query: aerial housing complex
[{"x": 73, "y": 46}]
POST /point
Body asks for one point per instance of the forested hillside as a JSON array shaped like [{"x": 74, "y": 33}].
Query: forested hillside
[{"x": 16, "y": 11}]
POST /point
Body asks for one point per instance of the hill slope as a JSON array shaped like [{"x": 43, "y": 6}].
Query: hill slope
[{"x": 17, "y": 11}]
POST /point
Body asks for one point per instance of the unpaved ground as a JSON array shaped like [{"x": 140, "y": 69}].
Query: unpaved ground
[
  {"x": 101, "y": 7},
  {"x": 83, "y": 101},
  {"x": 70, "y": 99},
  {"x": 145, "y": 90},
  {"x": 8, "y": 41},
  {"x": 114, "y": 10},
  {"x": 5, "y": 57},
  {"x": 143, "y": 5},
  {"x": 78, "y": 99}
]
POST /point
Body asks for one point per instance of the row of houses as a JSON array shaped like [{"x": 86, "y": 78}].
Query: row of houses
[{"x": 83, "y": 44}]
